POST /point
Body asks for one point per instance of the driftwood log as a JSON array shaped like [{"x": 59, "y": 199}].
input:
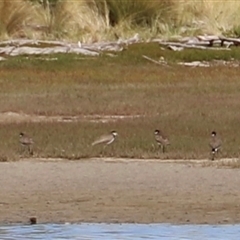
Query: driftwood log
[
  {"x": 15, "y": 51},
  {"x": 200, "y": 42},
  {"x": 40, "y": 47}
]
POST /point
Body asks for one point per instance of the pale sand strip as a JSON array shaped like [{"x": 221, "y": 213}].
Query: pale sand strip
[{"x": 118, "y": 191}]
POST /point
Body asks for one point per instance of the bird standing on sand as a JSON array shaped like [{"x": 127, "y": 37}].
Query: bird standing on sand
[
  {"x": 161, "y": 139},
  {"x": 106, "y": 139},
  {"x": 215, "y": 144},
  {"x": 26, "y": 142}
]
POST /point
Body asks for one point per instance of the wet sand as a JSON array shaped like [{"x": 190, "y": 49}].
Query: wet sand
[{"x": 105, "y": 191}]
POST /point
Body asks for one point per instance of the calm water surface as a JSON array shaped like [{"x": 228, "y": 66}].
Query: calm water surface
[{"x": 120, "y": 231}]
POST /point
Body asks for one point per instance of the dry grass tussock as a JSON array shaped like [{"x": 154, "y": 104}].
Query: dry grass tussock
[
  {"x": 210, "y": 17},
  {"x": 14, "y": 16},
  {"x": 90, "y": 21}
]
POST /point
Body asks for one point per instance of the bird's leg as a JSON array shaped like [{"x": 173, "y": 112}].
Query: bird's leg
[
  {"x": 213, "y": 154},
  {"x": 101, "y": 153},
  {"x": 103, "y": 150},
  {"x": 163, "y": 149},
  {"x": 22, "y": 149},
  {"x": 30, "y": 149}
]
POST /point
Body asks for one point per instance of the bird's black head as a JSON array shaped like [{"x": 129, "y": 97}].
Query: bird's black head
[
  {"x": 21, "y": 134},
  {"x": 214, "y": 133},
  {"x": 114, "y": 133},
  {"x": 156, "y": 131}
]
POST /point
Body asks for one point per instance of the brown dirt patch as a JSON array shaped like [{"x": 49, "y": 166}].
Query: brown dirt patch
[{"x": 114, "y": 191}]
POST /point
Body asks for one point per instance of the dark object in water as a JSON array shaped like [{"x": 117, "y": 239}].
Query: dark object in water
[{"x": 33, "y": 220}]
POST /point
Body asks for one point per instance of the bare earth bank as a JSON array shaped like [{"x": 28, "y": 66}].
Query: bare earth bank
[{"x": 103, "y": 191}]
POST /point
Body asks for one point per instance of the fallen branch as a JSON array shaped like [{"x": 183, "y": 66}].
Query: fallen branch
[
  {"x": 22, "y": 42},
  {"x": 151, "y": 60},
  {"x": 234, "y": 41},
  {"x": 195, "y": 64},
  {"x": 37, "y": 47},
  {"x": 162, "y": 62},
  {"x": 15, "y": 51},
  {"x": 192, "y": 46},
  {"x": 206, "y": 41}
]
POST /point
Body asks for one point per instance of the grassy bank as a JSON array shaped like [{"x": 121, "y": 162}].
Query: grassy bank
[
  {"x": 91, "y": 20},
  {"x": 187, "y": 103},
  {"x": 135, "y": 140}
]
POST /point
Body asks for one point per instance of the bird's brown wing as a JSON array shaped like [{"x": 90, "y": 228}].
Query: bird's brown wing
[
  {"x": 26, "y": 140},
  {"x": 215, "y": 143},
  {"x": 102, "y": 139},
  {"x": 161, "y": 139}
]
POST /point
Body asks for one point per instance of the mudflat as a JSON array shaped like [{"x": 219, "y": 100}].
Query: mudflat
[{"x": 118, "y": 191}]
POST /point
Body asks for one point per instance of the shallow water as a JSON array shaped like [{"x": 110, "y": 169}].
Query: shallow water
[{"x": 120, "y": 231}]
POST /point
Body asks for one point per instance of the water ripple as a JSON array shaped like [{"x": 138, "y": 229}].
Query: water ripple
[{"x": 120, "y": 231}]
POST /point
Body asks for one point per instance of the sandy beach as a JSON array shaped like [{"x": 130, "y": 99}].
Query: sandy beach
[{"x": 118, "y": 191}]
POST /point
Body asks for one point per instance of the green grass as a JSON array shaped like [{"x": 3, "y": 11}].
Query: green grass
[
  {"x": 131, "y": 56},
  {"x": 189, "y": 139},
  {"x": 186, "y": 103}
]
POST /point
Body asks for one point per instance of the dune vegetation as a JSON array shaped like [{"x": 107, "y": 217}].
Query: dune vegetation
[{"x": 101, "y": 20}]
